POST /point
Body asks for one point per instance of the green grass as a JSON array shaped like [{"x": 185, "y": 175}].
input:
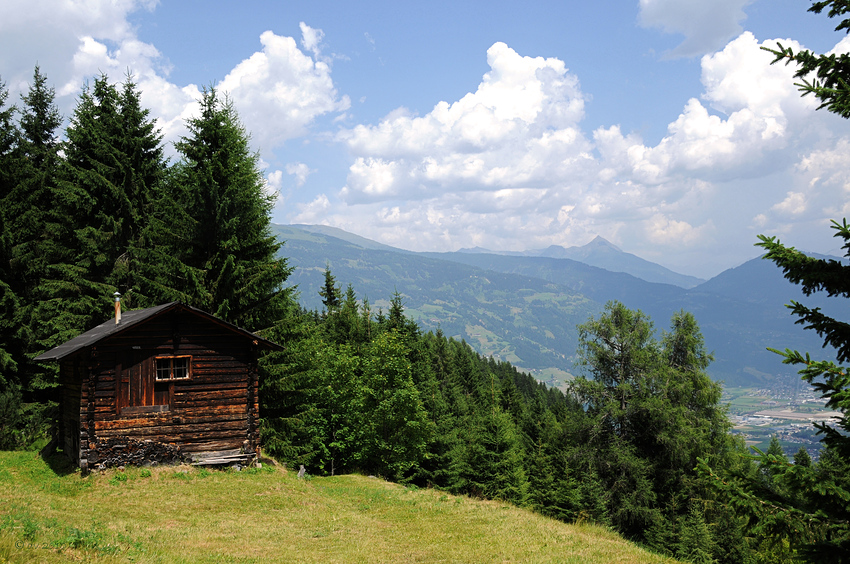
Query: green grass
[{"x": 48, "y": 513}]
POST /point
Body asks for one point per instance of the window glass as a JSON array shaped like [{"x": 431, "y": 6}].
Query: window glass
[{"x": 173, "y": 367}]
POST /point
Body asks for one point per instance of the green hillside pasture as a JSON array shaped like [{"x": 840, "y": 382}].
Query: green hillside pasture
[
  {"x": 489, "y": 344},
  {"x": 183, "y": 514}
]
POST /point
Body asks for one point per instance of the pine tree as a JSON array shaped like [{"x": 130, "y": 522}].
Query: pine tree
[
  {"x": 30, "y": 203},
  {"x": 95, "y": 208},
  {"x": 802, "y": 457},
  {"x": 773, "y": 462},
  {"x": 114, "y": 168},
  {"x": 230, "y": 249},
  {"x": 142, "y": 174},
  {"x": 28, "y": 228},
  {"x": 695, "y": 543},
  {"x": 8, "y": 143}
]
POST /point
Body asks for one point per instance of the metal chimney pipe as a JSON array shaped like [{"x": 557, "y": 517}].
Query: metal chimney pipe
[{"x": 117, "y": 308}]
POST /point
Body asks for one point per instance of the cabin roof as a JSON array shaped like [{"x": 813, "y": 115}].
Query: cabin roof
[{"x": 133, "y": 318}]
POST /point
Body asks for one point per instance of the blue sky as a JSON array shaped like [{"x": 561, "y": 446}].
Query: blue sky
[{"x": 657, "y": 124}]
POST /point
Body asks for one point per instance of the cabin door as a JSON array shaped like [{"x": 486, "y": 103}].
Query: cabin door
[{"x": 136, "y": 382}]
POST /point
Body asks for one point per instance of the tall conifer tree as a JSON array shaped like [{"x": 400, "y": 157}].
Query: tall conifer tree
[
  {"x": 9, "y": 328},
  {"x": 231, "y": 248},
  {"x": 113, "y": 170},
  {"x": 96, "y": 208},
  {"x": 33, "y": 220},
  {"x": 142, "y": 174},
  {"x": 809, "y": 506},
  {"x": 651, "y": 411}
]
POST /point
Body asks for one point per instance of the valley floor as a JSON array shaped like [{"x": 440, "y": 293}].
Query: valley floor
[{"x": 785, "y": 411}]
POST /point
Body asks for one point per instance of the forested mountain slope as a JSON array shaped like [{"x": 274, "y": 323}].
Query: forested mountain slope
[
  {"x": 524, "y": 309},
  {"x": 522, "y": 319}
]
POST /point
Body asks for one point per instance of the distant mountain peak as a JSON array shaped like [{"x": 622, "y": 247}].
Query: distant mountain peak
[{"x": 600, "y": 241}]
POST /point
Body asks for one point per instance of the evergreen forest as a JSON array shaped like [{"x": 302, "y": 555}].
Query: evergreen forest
[{"x": 639, "y": 441}]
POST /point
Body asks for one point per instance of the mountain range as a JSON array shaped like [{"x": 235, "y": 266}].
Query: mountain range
[
  {"x": 600, "y": 252},
  {"x": 524, "y": 307}
]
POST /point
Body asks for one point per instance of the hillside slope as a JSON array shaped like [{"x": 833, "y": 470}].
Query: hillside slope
[
  {"x": 521, "y": 319},
  {"x": 182, "y": 515},
  {"x": 603, "y": 254},
  {"x": 525, "y": 309},
  {"x": 741, "y": 311}
]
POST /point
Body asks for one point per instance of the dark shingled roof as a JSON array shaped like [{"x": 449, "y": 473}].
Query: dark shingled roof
[{"x": 135, "y": 317}]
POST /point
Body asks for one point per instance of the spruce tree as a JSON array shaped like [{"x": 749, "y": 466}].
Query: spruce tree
[
  {"x": 29, "y": 159},
  {"x": 810, "y": 510},
  {"x": 34, "y": 220},
  {"x": 142, "y": 174},
  {"x": 114, "y": 168},
  {"x": 96, "y": 209},
  {"x": 9, "y": 329},
  {"x": 230, "y": 248},
  {"x": 8, "y": 143},
  {"x": 29, "y": 204},
  {"x": 330, "y": 293}
]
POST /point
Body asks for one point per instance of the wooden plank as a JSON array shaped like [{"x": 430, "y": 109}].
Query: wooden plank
[
  {"x": 217, "y": 454},
  {"x": 183, "y": 431},
  {"x": 212, "y": 410},
  {"x": 163, "y": 420},
  {"x": 212, "y": 381},
  {"x": 223, "y": 461},
  {"x": 210, "y": 404},
  {"x": 214, "y": 395},
  {"x": 210, "y": 445}
]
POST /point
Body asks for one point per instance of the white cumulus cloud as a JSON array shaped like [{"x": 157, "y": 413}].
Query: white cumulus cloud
[
  {"x": 509, "y": 166},
  {"x": 280, "y": 90},
  {"x": 518, "y": 129},
  {"x": 752, "y": 108},
  {"x": 71, "y": 41}
]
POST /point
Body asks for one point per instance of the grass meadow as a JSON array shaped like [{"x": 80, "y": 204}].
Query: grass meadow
[{"x": 48, "y": 513}]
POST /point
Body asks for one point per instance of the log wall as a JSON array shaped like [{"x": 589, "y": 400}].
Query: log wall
[{"x": 215, "y": 409}]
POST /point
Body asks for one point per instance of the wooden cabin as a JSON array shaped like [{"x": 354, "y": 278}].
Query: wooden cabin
[{"x": 165, "y": 384}]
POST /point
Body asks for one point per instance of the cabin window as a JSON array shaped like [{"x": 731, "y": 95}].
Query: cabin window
[{"x": 173, "y": 368}]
